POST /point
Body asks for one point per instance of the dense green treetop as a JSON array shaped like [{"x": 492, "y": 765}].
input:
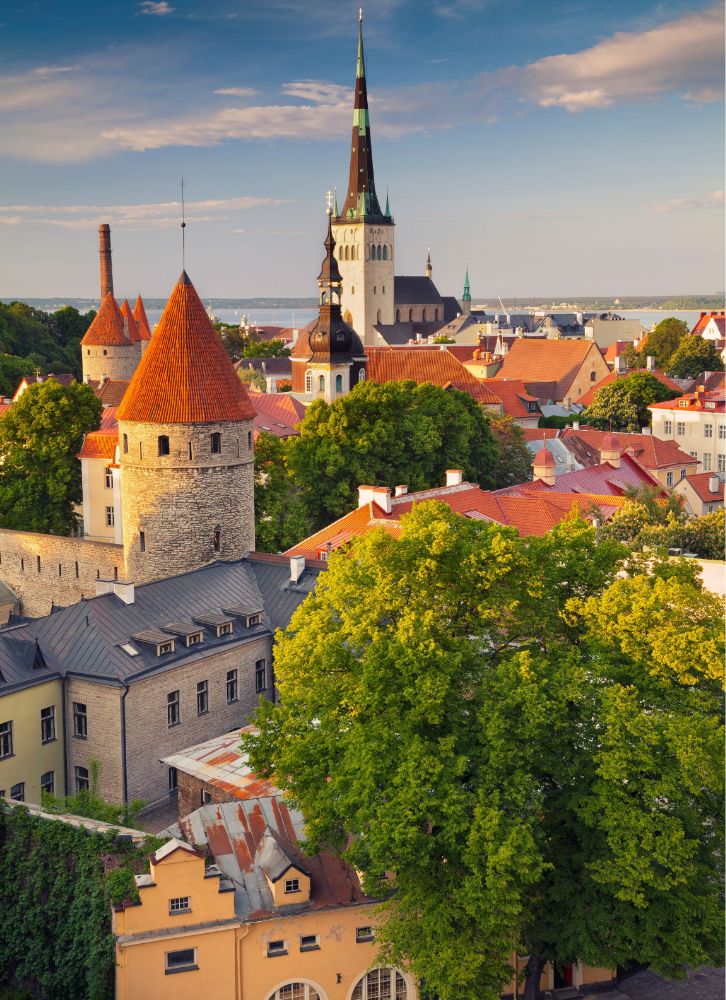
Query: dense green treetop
[
  {"x": 266, "y": 349},
  {"x": 531, "y": 746},
  {"x": 514, "y": 463},
  {"x": 624, "y": 403},
  {"x": 31, "y": 338},
  {"x": 280, "y": 515},
  {"x": 40, "y": 436},
  {"x": 693, "y": 356},
  {"x": 663, "y": 341},
  {"x": 397, "y": 432}
]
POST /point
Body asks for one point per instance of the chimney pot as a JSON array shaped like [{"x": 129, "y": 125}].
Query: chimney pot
[
  {"x": 401, "y": 491},
  {"x": 650, "y": 363},
  {"x": 454, "y": 477},
  {"x": 620, "y": 363},
  {"x": 297, "y": 568},
  {"x": 575, "y": 425},
  {"x": 714, "y": 484},
  {"x": 646, "y": 431},
  {"x": 104, "y": 587},
  {"x": 382, "y": 497}
]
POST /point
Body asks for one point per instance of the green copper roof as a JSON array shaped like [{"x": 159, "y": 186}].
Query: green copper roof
[
  {"x": 360, "y": 66},
  {"x": 466, "y": 297}
]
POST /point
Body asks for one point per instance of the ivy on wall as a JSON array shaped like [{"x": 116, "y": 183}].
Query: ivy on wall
[{"x": 55, "y": 905}]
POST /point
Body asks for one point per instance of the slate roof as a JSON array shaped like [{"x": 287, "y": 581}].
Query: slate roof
[
  {"x": 405, "y": 332},
  {"x": 85, "y": 639},
  {"x": 415, "y": 289},
  {"x": 268, "y": 366},
  {"x": 107, "y": 328},
  {"x": 185, "y": 376}
]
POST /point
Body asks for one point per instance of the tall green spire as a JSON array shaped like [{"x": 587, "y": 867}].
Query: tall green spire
[
  {"x": 360, "y": 66},
  {"x": 466, "y": 297}
]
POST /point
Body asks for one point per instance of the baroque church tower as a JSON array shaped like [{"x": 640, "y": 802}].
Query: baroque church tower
[
  {"x": 185, "y": 449},
  {"x": 362, "y": 231}
]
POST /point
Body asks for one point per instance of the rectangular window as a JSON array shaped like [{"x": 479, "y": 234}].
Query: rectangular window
[
  {"x": 292, "y": 885},
  {"x": 721, "y": 463},
  {"x": 309, "y": 942},
  {"x": 708, "y": 430},
  {"x": 667, "y": 426},
  {"x": 231, "y": 686},
  {"x": 47, "y": 782},
  {"x": 206, "y": 797},
  {"x": 722, "y": 431},
  {"x": 180, "y": 904},
  {"x": 194, "y": 639},
  {"x": 225, "y": 629},
  {"x": 706, "y": 461},
  {"x": 683, "y": 473},
  {"x": 80, "y": 720},
  {"x": 669, "y": 478},
  {"x": 260, "y": 675},
  {"x": 202, "y": 697},
  {"x": 142, "y": 541},
  {"x": 173, "y": 714},
  {"x": 17, "y": 792},
  {"x": 165, "y": 647},
  {"x": 276, "y": 948},
  {"x": 108, "y": 478},
  {"x": 181, "y": 961},
  {"x": 173, "y": 781},
  {"x": 83, "y": 783},
  {"x": 680, "y": 429},
  {"x": 6, "y": 739},
  {"x": 110, "y": 517},
  {"x": 363, "y": 934},
  {"x": 47, "y": 724},
  {"x": 253, "y": 620}
]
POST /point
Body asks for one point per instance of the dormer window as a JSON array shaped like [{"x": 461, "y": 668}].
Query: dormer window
[
  {"x": 292, "y": 885},
  {"x": 253, "y": 620},
  {"x": 162, "y": 643},
  {"x": 165, "y": 647},
  {"x": 683, "y": 403},
  {"x": 225, "y": 629}
]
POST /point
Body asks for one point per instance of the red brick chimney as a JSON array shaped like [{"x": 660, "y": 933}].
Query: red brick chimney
[{"x": 104, "y": 232}]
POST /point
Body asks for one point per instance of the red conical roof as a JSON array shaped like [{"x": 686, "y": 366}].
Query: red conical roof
[
  {"x": 544, "y": 457},
  {"x": 107, "y": 329},
  {"x": 185, "y": 375},
  {"x": 132, "y": 324},
  {"x": 141, "y": 320},
  {"x": 611, "y": 442}
]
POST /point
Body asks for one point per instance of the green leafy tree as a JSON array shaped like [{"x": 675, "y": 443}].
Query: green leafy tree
[
  {"x": 234, "y": 340},
  {"x": 267, "y": 349},
  {"x": 647, "y": 521},
  {"x": 531, "y": 746},
  {"x": 623, "y": 404},
  {"x": 252, "y": 378},
  {"x": 40, "y": 436},
  {"x": 90, "y": 804},
  {"x": 280, "y": 514},
  {"x": 693, "y": 356},
  {"x": 514, "y": 464},
  {"x": 397, "y": 432},
  {"x": 663, "y": 341}
]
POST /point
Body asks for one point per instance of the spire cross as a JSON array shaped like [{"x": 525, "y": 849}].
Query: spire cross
[
  {"x": 329, "y": 200},
  {"x": 183, "y": 227},
  {"x": 360, "y": 14}
]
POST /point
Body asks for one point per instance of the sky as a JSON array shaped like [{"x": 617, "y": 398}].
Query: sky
[{"x": 557, "y": 148}]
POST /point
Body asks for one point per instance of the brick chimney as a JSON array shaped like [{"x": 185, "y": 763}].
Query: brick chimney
[
  {"x": 454, "y": 477},
  {"x": 104, "y": 233}
]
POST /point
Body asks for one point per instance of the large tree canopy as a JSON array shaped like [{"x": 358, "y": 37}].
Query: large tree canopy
[
  {"x": 40, "y": 436},
  {"x": 663, "y": 340},
  {"x": 531, "y": 746},
  {"x": 280, "y": 515},
  {"x": 397, "y": 432},
  {"x": 623, "y": 404},
  {"x": 693, "y": 356}
]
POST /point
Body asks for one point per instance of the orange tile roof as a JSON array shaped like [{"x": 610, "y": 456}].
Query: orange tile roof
[
  {"x": 132, "y": 326},
  {"x": 277, "y": 413},
  {"x": 111, "y": 391},
  {"x": 588, "y": 397},
  {"x": 185, "y": 375},
  {"x": 715, "y": 398},
  {"x": 99, "y": 444},
  {"x": 700, "y": 483},
  {"x": 649, "y": 451},
  {"x": 397, "y": 364},
  {"x": 706, "y": 317},
  {"x": 141, "y": 320},
  {"x": 514, "y": 396},
  {"x": 534, "y": 360},
  {"x": 614, "y": 350},
  {"x": 107, "y": 329}
]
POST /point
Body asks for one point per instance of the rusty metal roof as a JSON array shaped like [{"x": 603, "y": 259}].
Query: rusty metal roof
[{"x": 220, "y": 762}]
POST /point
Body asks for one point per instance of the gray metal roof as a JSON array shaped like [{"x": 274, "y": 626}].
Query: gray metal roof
[
  {"x": 87, "y": 638},
  {"x": 415, "y": 289}
]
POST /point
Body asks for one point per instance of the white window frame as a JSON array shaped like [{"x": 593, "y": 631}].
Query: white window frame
[
  {"x": 180, "y": 904},
  {"x": 292, "y": 885}
]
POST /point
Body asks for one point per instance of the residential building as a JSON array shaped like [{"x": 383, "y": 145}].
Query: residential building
[
  {"x": 517, "y": 402},
  {"x": 711, "y": 326},
  {"x": 697, "y": 421},
  {"x": 100, "y": 479},
  {"x": 555, "y": 371},
  {"x": 275, "y": 371},
  {"x": 277, "y": 413},
  {"x": 702, "y": 493},
  {"x": 438, "y": 366},
  {"x": 605, "y": 329}
]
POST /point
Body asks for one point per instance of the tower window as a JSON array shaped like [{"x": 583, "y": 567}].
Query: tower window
[
  {"x": 141, "y": 450},
  {"x": 375, "y": 289},
  {"x": 163, "y": 444},
  {"x": 191, "y": 454},
  {"x": 308, "y": 381},
  {"x": 410, "y": 315},
  {"x": 216, "y": 443},
  {"x": 385, "y": 252},
  {"x": 423, "y": 316},
  {"x": 362, "y": 375},
  {"x": 338, "y": 383},
  {"x": 352, "y": 289},
  {"x": 321, "y": 383},
  {"x": 126, "y": 444},
  {"x": 217, "y": 539},
  {"x": 142, "y": 541},
  {"x": 436, "y": 313},
  {"x": 249, "y": 440}
]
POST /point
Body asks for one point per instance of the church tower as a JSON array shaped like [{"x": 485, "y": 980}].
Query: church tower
[
  {"x": 328, "y": 358},
  {"x": 362, "y": 231},
  {"x": 186, "y": 456},
  {"x": 466, "y": 297}
]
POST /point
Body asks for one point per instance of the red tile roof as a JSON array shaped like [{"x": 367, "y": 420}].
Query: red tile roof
[
  {"x": 111, "y": 391},
  {"x": 514, "y": 396},
  {"x": 712, "y": 400},
  {"x": 185, "y": 375},
  {"x": 141, "y": 320},
  {"x": 614, "y": 350},
  {"x": 589, "y": 396},
  {"x": 541, "y": 361},
  {"x": 603, "y": 479},
  {"x": 277, "y": 413},
  {"x": 107, "y": 329},
  {"x": 701, "y": 484},
  {"x": 102, "y": 443},
  {"x": 649, "y": 451},
  {"x": 132, "y": 326},
  {"x": 706, "y": 317},
  {"x": 392, "y": 364}
]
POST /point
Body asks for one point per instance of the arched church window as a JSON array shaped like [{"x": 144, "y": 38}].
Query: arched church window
[
  {"x": 379, "y": 252},
  {"x": 347, "y": 253},
  {"x": 368, "y": 252},
  {"x": 423, "y": 316},
  {"x": 324, "y": 298},
  {"x": 362, "y": 375},
  {"x": 321, "y": 383},
  {"x": 385, "y": 252},
  {"x": 338, "y": 383},
  {"x": 308, "y": 381},
  {"x": 398, "y": 315},
  {"x": 410, "y": 315},
  {"x": 378, "y": 316}
]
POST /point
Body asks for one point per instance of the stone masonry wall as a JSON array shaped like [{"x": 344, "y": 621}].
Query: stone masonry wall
[
  {"x": 103, "y": 708},
  {"x": 113, "y": 361},
  {"x": 51, "y": 569},
  {"x": 189, "y": 796},
  {"x": 149, "y": 738},
  {"x": 179, "y": 499}
]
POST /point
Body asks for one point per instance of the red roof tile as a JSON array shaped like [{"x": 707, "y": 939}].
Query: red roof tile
[
  {"x": 589, "y": 396},
  {"x": 397, "y": 364},
  {"x": 277, "y": 413},
  {"x": 111, "y": 391},
  {"x": 514, "y": 396},
  {"x": 706, "y": 317},
  {"x": 185, "y": 375},
  {"x": 712, "y": 400},
  {"x": 141, "y": 320},
  {"x": 603, "y": 479},
  {"x": 107, "y": 329},
  {"x": 540, "y": 361},
  {"x": 131, "y": 325},
  {"x": 701, "y": 482},
  {"x": 649, "y": 451}
]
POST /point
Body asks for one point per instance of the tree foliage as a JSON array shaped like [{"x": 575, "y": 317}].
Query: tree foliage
[
  {"x": 514, "y": 462},
  {"x": 397, "y": 432},
  {"x": 31, "y": 338},
  {"x": 647, "y": 521},
  {"x": 280, "y": 514},
  {"x": 624, "y": 403},
  {"x": 40, "y": 436},
  {"x": 663, "y": 341},
  {"x": 252, "y": 378},
  {"x": 693, "y": 356},
  {"x": 531, "y": 746},
  {"x": 266, "y": 349}
]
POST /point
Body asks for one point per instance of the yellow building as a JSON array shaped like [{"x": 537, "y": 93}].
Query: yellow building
[{"x": 31, "y": 732}]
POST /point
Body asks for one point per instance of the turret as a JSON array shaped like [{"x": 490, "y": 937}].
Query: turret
[
  {"x": 106, "y": 351},
  {"x": 610, "y": 450},
  {"x": 543, "y": 467},
  {"x": 186, "y": 456}
]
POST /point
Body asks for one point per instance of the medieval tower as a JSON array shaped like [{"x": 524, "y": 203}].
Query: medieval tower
[
  {"x": 363, "y": 233},
  {"x": 185, "y": 449}
]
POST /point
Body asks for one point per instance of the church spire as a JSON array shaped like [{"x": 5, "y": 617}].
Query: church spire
[
  {"x": 466, "y": 297},
  {"x": 428, "y": 271},
  {"x": 361, "y": 202}
]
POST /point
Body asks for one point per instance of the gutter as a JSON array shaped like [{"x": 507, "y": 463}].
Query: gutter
[{"x": 124, "y": 772}]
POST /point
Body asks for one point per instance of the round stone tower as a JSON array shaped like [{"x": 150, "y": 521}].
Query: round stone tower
[
  {"x": 186, "y": 449},
  {"x": 106, "y": 350}
]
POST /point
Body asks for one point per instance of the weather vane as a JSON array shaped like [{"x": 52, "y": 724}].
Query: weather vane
[
  {"x": 183, "y": 227},
  {"x": 360, "y": 13}
]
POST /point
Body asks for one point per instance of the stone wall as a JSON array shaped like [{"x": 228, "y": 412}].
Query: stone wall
[
  {"x": 149, "y": 738},
  {"x": 368, "y": 285},
  {"x": 179, "y": 500},
  {"x": 114, "y": 361},
  {"x": 51, "y": 569},
  {"x": 103, "y": 712},
  {"x": 189, "y": 796}
]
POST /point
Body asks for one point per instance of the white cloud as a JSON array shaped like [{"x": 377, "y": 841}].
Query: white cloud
[
  {"x": 45, "y": 71},
  {"x": 714, "y": 199},
  {"x": 151, "y": 7},
  {"x": 319, "y": 92},
  {"x": 236, "y": 91}
]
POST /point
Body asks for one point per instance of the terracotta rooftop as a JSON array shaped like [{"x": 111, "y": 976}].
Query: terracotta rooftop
[
  {"x": 396, "y": 364},
  {"x": 514, "y": 396},
  {"x": 712, "y": 400},
  {"x": 541, "y": 361},
  {"x": 589, "y": 396},
  {"x": 132, "y": 325},
  {"x": 701, "y": 483},
  {"x": 705, "y": 318},
  {"x": 111, "y": 391},
  {"x": 141, "y": 320},
  {"x": 102, "y": 443},
  {"x": 604, "y": 480},
  {"x": 649, "y": 451},
  {"x": 185, "y": 375},
  {"x": 107, "y": 328},
  {"x": 278, "y": 413}
]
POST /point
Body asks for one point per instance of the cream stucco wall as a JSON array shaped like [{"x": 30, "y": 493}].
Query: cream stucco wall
[
  {"x": 606, "y": 331},
  {"x": 689, "y": 428},
  {"x": 367, "y": 293},
  {"x": 97, "y": 497},
  {"x": 31, "y": 758}
]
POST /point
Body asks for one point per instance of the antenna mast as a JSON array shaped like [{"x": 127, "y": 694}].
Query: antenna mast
[{"x": 183, "y": 227}]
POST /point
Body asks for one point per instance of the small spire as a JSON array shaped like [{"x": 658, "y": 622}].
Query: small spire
[
  {"x": 428, "y": 269},
  {"x": 360, "y": 66},
  {"x": 388, "y": 205},
  {"x": 336, "y": 213}
]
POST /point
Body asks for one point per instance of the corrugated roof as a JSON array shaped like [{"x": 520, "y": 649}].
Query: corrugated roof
[
  {"x": 220, "y": 762},
  {"x": 185, "y": 376},
  {"x": 107, "y": 328}
]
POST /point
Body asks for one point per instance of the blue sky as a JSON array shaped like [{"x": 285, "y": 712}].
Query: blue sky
[{"x": 556, "y": 147}]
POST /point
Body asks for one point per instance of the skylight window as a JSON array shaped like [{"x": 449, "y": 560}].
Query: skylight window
[{"x": 128, "y": 648}]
